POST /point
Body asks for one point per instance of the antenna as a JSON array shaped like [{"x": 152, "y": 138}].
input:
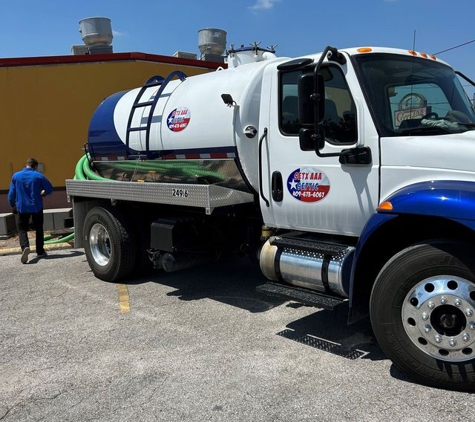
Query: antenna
[
  {"x": 453, "y": 48},
  {"x": 412, "y": 74}
]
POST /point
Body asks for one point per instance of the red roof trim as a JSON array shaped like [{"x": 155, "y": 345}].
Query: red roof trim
[{"x": 112, "y": 57}]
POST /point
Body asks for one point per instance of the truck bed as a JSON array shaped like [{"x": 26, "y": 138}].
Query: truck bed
[{"x": 191, "y": 195}]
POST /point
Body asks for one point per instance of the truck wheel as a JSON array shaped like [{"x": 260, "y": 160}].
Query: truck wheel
[
  {"x": 109, "y": 243},
  {"x": 422, "y": 311}
]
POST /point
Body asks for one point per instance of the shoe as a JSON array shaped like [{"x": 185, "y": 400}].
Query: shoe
[
  {"x": 42, "y": 255},
  {"x": 24, "y": 255}
]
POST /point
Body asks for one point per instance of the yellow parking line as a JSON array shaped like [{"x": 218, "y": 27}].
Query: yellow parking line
[{"x": 124, "y": 301}]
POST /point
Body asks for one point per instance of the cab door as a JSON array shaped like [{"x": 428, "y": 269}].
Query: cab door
[{"x": 301, "y": 190}]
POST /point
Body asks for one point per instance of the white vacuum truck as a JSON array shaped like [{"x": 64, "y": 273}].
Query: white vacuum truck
[{"x": 347, "y": 175}]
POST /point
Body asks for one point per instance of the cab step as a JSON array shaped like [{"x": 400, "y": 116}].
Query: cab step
[
  {"x": 297, "y": 294},
  {"x": 323, "y": 248}
]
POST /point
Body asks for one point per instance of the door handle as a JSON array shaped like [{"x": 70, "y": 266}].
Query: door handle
[
  {"x": 261, "y": 192},
  {"x": 277, "y": 187}
]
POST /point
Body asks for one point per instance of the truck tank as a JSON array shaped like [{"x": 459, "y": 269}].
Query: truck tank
[{"x": 180, "y": 129}]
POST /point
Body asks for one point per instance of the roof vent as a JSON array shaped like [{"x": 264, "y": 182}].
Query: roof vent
[
  {"x": 212, "y": 43},
  {"x": 97, "y": 36}
]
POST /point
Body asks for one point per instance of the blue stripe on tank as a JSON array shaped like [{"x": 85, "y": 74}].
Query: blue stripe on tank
[{"x": 102, "y": 136}]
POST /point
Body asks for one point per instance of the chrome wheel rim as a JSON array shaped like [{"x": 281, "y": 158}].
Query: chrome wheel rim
[
  {"x": 438, "y": 315},
  {"x": 100, "y": 244}
]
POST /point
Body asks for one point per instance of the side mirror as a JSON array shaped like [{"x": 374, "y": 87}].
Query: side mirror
[
  {"x": 306, "y": 140},
  {"x": 310, "y": 141},
  {"x": 311, "y": 91},
  {"x": 311, "y": 99}
]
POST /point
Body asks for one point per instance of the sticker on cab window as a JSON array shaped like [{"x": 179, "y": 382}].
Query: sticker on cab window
[
  {"x": 178, "y": 119},
  {"x": 308, "y": 184}
]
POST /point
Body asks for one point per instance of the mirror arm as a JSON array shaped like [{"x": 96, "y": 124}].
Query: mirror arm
[
  {"x": 465, "y": 77},
  {"x": 316, "y": 139}
]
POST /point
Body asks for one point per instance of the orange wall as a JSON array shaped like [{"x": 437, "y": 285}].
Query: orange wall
[{"x": 45, "y": 111}]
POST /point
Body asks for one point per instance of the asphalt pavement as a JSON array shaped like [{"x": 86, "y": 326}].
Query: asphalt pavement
[{"x": 198, "y": 345}]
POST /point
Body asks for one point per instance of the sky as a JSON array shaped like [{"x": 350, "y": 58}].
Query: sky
[{"x": 32, "y": 28}]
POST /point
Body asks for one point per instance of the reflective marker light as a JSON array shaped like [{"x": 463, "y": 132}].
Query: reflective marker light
[{"x": 385, "y": 206}]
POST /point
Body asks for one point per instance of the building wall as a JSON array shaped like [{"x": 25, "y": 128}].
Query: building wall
[{"x": 45, "y": 110}]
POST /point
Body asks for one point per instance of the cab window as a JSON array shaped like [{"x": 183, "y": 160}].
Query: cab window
[
  {"x": 339, "y": 124},
  {"x": 409, "y": 102},
  {"x": 413, "y": 95}
]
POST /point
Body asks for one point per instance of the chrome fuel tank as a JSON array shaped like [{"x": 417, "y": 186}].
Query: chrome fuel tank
[{"x": 320, "y": 266}]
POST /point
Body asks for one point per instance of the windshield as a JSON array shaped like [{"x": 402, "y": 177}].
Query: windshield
[{"x": 410, "y": 95}]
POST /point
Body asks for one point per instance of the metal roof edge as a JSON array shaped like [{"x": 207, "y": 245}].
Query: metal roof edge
[{"x": 109, "y": 57}]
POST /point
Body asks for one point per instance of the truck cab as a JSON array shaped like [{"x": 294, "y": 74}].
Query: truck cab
[{"x": 395, "y": 114}]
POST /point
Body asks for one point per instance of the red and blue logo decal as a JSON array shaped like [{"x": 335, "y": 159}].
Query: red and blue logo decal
[
  {"x": 178, "y": 119},
  {"x": 308, "y": 184}
]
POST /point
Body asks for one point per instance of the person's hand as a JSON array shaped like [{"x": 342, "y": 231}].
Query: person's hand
[
  {"x": 14, "y": 210},
  {"x": 43, "y": 193}
]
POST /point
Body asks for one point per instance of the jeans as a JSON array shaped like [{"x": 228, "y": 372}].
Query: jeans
[{"x": 24, "y": 225}]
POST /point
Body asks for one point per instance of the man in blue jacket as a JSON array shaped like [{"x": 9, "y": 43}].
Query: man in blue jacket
[{"x": 25, "y": 197}]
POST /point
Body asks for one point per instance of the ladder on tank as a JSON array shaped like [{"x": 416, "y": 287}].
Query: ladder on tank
[{"x": 138, "y": 104}]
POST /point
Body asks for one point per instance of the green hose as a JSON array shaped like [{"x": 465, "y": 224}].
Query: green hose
[
  {"x": 78, "y": 173},
  {"x": 88, "y": 173},
  {"x": 83, "y": 170},
  {"x": 190, "y": 169},
  {"x": 60, "y": 240}
]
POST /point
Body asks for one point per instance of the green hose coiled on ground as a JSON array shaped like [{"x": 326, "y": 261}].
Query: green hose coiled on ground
[{"x": 64, "y": 239}]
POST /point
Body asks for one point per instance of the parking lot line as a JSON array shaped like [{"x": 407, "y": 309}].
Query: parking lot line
[{"x": 124, "y": 301}]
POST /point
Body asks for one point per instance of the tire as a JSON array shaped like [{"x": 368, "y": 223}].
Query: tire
[
  {"x": 422, "y": 310},
  {"x": 109, "y": 243}
]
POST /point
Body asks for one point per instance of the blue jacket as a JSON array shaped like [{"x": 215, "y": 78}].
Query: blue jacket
[{"x": 25, "y": 190}]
